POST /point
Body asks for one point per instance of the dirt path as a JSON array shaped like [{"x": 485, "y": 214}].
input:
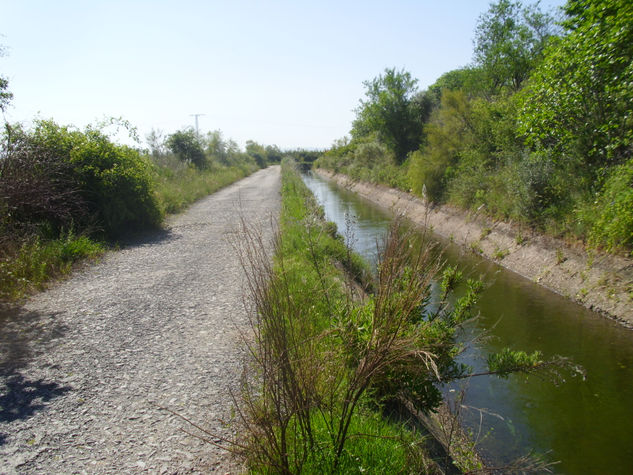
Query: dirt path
[{"x": 85, "y": 365}]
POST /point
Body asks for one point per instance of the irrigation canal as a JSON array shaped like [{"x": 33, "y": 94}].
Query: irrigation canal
[{"x": 586, "y": 425}]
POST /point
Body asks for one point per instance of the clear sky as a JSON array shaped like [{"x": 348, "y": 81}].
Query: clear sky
[{"x": 288, "y": 73}]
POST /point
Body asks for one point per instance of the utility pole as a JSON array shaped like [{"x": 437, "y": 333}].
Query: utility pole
[{"x": 196, "y": 117}]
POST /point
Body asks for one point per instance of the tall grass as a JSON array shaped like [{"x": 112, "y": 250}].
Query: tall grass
[
  {"x": 177, "y": 185},
  {"x": 36, "y": 261}
]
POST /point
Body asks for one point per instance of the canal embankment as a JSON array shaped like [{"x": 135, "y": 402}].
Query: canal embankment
[{"x": 598, "y": 281}]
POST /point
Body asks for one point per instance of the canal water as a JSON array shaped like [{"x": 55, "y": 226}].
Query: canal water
[{"x": 586, "y": 425}]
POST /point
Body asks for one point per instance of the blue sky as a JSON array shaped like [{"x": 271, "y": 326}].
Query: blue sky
[{"x": 288, "y": 73}]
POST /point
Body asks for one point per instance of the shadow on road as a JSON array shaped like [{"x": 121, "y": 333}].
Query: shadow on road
[
  {"x": 21, "y": 398},
  {"x": 22, "y": 335},
  {"x": 148, "y": 238}
]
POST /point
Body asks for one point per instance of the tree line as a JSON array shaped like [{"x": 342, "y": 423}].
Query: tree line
[{"x": 537, "y": 129}]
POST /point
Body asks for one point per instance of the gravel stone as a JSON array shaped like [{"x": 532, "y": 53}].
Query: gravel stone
[{"x": 86, "y": 366}]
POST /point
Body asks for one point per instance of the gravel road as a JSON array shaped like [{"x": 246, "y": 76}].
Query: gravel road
[{"x": 85, "y": 365}]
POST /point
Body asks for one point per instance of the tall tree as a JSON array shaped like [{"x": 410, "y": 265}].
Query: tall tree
[
  {"x": 186, "y": 146},
  {"x": 391, "y": 112},
  {"x": 156, "y": 142},
  {"x": 579, "y": 100},
  {"x": 257, "y": 152},
  {"x": 216, "y": 146},
  {"x": 509, "y": 41}
]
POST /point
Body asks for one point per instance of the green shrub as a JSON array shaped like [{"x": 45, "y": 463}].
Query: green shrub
[
  {"x": 470, "y": 185},
  {"x": 613, "y": 225},
  {"x": 428, "y": 173},
  {"x": 371, "y": 154},
  {"x": 111, "y": 183},
  {"x": 56, "y": 181},
  {"x": 116, "y": 183}
]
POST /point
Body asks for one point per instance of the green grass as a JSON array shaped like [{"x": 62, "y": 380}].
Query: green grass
[
  {"x": 178, "y": 187},
  {"x": 377, "y": 446},
  {"x": 36, "y": 261}
]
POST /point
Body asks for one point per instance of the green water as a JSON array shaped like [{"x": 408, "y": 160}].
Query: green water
[{"x": 585, "y": 425}]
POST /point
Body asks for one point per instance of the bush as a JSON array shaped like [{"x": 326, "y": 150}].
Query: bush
[
  {"x": 92, "y": 182},
  {"x": 428, "y": 173},
  {"x": 37, "y": 193},
  {"x": 613, "y": 226},
  {"x": 116, "y": 182}
]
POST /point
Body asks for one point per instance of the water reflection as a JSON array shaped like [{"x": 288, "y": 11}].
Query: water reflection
[{"x": 587, "y": 425}]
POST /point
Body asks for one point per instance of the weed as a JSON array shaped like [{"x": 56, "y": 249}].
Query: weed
[
  {"x": 178, "y": 187},
  {"x": 485, "y": 232},
  {"x": 603, "y": 281},
  {"x": 591, "y": 255},
  {"x": 560, "y": 256},
  {"x": 475, "y": 246},
  {"x": 520, "y": 239},
  {"x": 500, "y": 254}
]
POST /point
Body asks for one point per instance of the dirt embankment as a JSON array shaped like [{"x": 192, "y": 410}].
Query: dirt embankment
[{"x": 601, "y": 282}]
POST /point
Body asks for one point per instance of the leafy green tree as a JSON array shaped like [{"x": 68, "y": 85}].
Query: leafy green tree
[
  {"x": 509, "y": 42},
  {"x": 5, "y": 95},
  {"x": 578, "y": 102},
  {"x": 216, "y": 146},
  {"x": 273, "y": 154},
  {"x": 187, "y": 147},
  {"x": 257, "y": 152},
  {"x": 391, "y": 112},
  {"x": 449, "y": 130}
]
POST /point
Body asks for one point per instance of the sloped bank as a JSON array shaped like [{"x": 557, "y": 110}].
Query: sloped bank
[{"x": 600, "y": 282}]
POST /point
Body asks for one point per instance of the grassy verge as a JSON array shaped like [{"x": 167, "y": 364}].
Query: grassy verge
[
  {"x": 36, "y": 261},
  {"x": 179, "y": 186}
]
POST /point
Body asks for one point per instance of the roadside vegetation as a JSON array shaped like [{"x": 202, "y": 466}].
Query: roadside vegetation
[
  {"x": 329, "y": 360},
  {"x": 68, "y": 194},
  {"x": 538, "y": 129}
]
